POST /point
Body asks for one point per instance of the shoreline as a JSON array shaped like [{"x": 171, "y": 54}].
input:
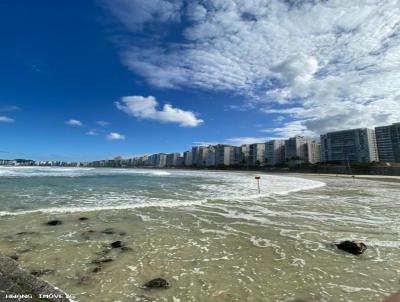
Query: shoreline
[
  {"x": 371, "y": 177},
  {"x": 16, "y": 283},
  {"x": 263, "y": 239},
  {"x": 383, "y": 178}
]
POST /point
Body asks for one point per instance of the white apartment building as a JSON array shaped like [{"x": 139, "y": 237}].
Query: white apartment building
[{"x": 274, "y": 152}]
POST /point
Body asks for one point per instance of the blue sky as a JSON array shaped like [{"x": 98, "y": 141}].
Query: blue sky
[{"x": 166, "y": 74}]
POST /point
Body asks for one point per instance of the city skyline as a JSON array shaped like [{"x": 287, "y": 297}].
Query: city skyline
[
  {"x": 102, "y": 78},
  {"x": 360, "y": 145}
]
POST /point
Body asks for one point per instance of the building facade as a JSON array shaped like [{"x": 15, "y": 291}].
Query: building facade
[
  {"x": 224, "y": 155},
  {"x": 388, "y": 143},
  {"x": 313, "y": 151},
  {"x": 187, "y": 158},
  {"x": 351, "y": 146},
  {"x": 302, "y": 149},
  {"x": 274, "y": 152},
  {"x": 173, "y": 159},
  {"x": 199, "y": 155},
  {"x": 257, "y": 154}
]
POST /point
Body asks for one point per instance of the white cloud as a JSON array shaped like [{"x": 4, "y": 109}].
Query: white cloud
[
  {"x": 73, "y": 122},
  {"x": 6, "y": 119},
  {"x": 146, "y": 108},
  {"x": 325, "y": 64},
  {"x": 103, "y": 123},
  {"x": 134, "y": 13},
  {"x": 237, "y": 141},
  {"x": 291, "y": 129},
  {"x": 115, "y": 136},
  {"x": 92, "y": 132},
  {"x": 9, "y": 108}
]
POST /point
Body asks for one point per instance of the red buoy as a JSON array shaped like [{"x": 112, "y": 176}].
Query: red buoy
[{"x": 258, "y": 183}]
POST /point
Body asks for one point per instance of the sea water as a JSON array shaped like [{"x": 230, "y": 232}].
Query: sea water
[{"x": 211, "y": 234}]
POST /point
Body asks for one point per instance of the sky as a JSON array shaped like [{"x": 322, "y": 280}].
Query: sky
[{"x": 88, "y": 80}]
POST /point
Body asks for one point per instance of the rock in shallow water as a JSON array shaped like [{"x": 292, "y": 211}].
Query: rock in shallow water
[
  {"x": 14, "y": 257},
  {"x": 97, "y": 269},
  {"x": 41, "y": 272},
  {"x": 26, "y": 233},
  {"x": 83, "y": 218},
  {"x": 157, "y": 283},
  {"x": 353, "y": 247},
  {"x": 109, "y": 231},
  {"x": 117, "y": 244},
  {"x": 102, "y": 260},
  {"x": 54, "y": 222}
]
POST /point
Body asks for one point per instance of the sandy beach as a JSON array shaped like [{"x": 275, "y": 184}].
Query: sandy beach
[{"x": 275, "y": 247}]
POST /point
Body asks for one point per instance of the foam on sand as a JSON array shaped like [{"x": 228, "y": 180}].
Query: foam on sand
[{"x": 92, "y": 189}]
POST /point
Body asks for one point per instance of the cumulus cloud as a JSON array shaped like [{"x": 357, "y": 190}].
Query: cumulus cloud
[
  {"x": 324, "y": 64},
  {"x": 146, "y": 108},
  {"x": 113, "y": 136},
  {"x": 73, "y": 122},
  {"x": 238, "y": 141},
  {"x": 92, "y": 132},
  {"x": 6, "y": 119},
  {"x": 103, "y": 123},
  {"x": 135, "y": 13},
  {"x": 9, "y": 108}
]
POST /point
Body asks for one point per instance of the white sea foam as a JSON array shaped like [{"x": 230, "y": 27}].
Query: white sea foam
[
  {"x": 73, "y": 172},
  {"x": 66, "y": 210},
  {"x": 180, "y": 188}
]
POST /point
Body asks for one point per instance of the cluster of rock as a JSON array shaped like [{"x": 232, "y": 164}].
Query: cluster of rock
[{"x": 353, "y": 247}]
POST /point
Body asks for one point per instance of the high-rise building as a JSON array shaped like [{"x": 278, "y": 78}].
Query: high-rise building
[
  {"x": 187, "y": 158},
  {"x": 274, "y": 152},
  {"x": 245, "y": 155},
  {"x": 199, "y": 155},
  {"x": 224, "y": 155},
  {"x": 388, "y": 142},
  {"x": 257, "y": 154},
  {"x": 210, "y": 162},
  {"x": 302, "y": 149},
  {"x": 352, "y": 146},
  {"x": 172, "y": 159},
  {"x": 237, "y": 156},
  {"x": 313, "y": 151},
  {"x": 160, "y": 160}
]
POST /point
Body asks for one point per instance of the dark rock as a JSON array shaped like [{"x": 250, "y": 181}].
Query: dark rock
[
  {"x": 83, "y": 218},
  {"x": 14, "y": 256},
  {"x": 54, "y": 222},
  {"x": 352, "y": 247},
  {"x": 157, "y": 283},
  {"x": 122, "y": 233},
  {"x": 109, "y": 231},
  {"x": 117, "y": 244},
  {"x": 41, "y": 272},
  {"x": 102, "y": 260},
  {"x": 26, "y": 233},
  {"x": 86, "y": 234},
  {"x": 97, "y": 269},
  {"x": 26, "y": 250},
  {"x": 126, "y": 249}
]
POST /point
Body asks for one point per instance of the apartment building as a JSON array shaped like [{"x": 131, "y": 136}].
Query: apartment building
[
  {"x": 388, "y": 143},
  {"x": 352, "y": 146}
]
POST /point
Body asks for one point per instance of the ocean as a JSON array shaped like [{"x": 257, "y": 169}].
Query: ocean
[{"x": 210, "y": 234}]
